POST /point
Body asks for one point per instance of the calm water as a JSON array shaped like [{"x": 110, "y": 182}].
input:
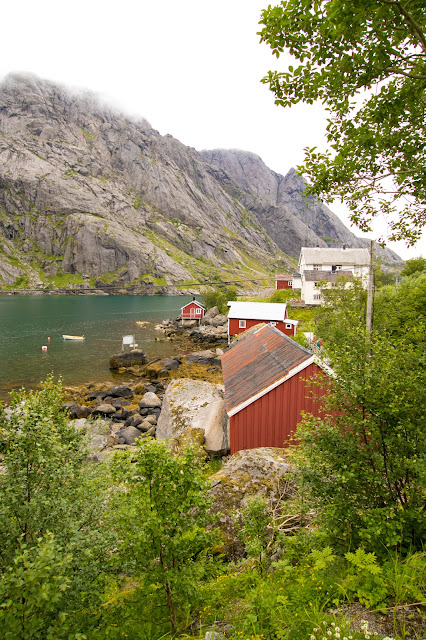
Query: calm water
[{"x": 26, "y": 323}]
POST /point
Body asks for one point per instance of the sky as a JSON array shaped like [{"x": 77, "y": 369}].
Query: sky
[{"x": 192, "y": 68}]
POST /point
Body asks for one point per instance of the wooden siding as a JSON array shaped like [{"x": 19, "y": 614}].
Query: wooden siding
[
  {"x": 283, "y": 284},
  {"x": 234, "y": 329},
  {"x": 271, "y": 420}
]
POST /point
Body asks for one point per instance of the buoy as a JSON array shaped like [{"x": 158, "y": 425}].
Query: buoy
[
  {"x": 44, "y": 348},
  {"x": 48, "y": 339}
]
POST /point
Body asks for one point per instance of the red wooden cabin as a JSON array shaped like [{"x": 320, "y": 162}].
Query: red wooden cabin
[
  {"x": 266, "y": 389},
  {"x": 194, "y": 310},
  {"x": 244, "y": 315},
  {"x": 284, "y": 282}
]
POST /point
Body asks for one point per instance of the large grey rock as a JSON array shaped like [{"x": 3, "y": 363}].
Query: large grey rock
[
  {"x": 130, "y": 434},
  {"x": 195, "y": 404},
  {"x": 265, "y": 472},
  {"x": 121, "y": 391},
  {"x": 104, "y": 410},
  {"x": 211, "y": 313},
  {"x": 150, "y": 400},
  {"x": 219, "y": 320},
  {"x": 128, "y": 359}
]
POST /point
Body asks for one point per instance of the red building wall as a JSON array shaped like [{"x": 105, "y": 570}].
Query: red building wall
[
  {"x": 234, "y": 329},
  {"x": 188, "y": 311},
  {"x": 271, "y": 420},
  {"x": 283, "y": 284}
]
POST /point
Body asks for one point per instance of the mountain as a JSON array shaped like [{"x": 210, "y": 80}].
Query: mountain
[
  {"x": 290, "y": 217},
  {"x": 86, "y": 191}
]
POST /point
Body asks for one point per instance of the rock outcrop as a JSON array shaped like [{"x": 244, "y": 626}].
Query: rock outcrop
[
  {"x": 265, "y": 472},
  {"x": 195, "y": 404},
  {"x": 290, "y": 217}
]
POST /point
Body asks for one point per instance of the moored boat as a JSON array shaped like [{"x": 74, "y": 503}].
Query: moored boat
[{"x": 67, "y": 337}]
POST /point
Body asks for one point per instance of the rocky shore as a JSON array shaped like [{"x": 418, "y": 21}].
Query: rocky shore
[{"x": 144, "y": 405}]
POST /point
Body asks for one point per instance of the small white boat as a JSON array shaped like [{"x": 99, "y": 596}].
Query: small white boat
[{"x": 67, "y": 337}]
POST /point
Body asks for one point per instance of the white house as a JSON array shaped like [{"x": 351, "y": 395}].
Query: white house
[{"x": 318, "y": 264}]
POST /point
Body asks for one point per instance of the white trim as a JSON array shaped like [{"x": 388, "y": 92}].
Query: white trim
[{"x": 289, "y": 375}]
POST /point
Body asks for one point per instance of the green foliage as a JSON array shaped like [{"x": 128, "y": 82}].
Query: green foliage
[
  {"x": 47, "y": 487},
  {"x": 22, "y": 281},
  {"x": 164, "y": 513},
  {"x": 256, "y": 531},
  {"x": 363, "y": 461},
  {"x": 282, "y": 295},
  {"x": 366, "y": 63},
  {"x": 414, "y": 266},
  {"x": 219, "y": 298},
  {"x": 31, "y": 591}
]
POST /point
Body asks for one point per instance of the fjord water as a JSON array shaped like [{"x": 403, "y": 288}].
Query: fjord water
[{"x": 26, "y": 323}]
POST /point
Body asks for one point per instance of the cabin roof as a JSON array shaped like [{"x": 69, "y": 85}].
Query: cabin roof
[
  {"x": 330, "y": 255},
  {"x": 327, "y": 276},
  {"x": 193, "y": 302},
  {"x": 259, "y": 363},
  {"x": 269, "y": 311}
]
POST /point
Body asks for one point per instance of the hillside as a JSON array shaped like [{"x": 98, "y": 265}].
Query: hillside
[{"x": 87, "y": 191}]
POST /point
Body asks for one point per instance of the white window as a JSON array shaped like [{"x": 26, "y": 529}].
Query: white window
[
  {"x": 290, "y": 283},
  {"x": 198, "y": 311},
  {"x": 288, "y": 325},
  {"x": 241, "y": 324},
  {"x": 317, "y": 267},
  {"x": 274, "y": 324},
  {"x": 317, "y": 297}
]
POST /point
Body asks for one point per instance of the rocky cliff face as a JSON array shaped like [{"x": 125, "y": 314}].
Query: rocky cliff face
[
  {"x": 290, "y": 217},
  {"x": 85, "y": 191}
]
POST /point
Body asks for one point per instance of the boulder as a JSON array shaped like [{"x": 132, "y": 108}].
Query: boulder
[
  {"x": 195, "y": 404},
  {"x": 129, "y": 435},
  {"x": 219, "y": 321},
  {"x": 104, "y": 410},
  {"x": 150, "y": 400},
  {"x": 120, "y": 391},
  {"x": 265, "y": 472},
  {"x": 128, "y": 359},
  {"x": 201, "y": 357},
  {"x": 72, "y": 409},
  {"x": 212, "y": 312},
  {"x": 98, "y": 435}
]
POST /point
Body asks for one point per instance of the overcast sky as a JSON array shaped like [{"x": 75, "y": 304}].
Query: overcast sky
[{"x": 192, "y": 68}]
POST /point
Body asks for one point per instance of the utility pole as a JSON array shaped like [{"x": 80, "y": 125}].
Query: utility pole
[{"x": 370, "y": 289}]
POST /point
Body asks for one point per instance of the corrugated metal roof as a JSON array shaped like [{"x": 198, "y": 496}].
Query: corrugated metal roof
[
  {"x": 321, "y": 255},
  {"x": 269, "y": 311},
  {"x": 254, "y": 365},
  {"x": 327, "y": 276}
]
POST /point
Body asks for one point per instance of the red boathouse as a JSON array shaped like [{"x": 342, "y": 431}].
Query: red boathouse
[
  {"x": 194, "y": 310},
  {"x": 284, "y": 282},
  {"x": 244, "y": 315},
  {"x": 266, "y": 389}
]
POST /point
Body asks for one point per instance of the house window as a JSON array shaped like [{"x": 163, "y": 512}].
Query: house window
[
  {"x": 317, "y": 267},
  {"x": 241, "y": 324},
  {"x": 288, "y": 325},
  {"x": 198, "y": 311},
  {"x": 317, "y": 297},
  {"x": 274, "y": 324},
  {"x": 290, "y": 283}
]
